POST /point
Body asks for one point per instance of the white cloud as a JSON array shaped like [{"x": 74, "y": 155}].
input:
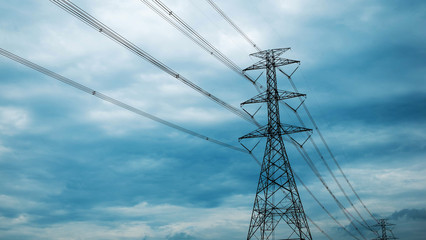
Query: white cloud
[
  {"x": 190, "y": 220},
  {"x": 12, "y": 202},
  {"x": 384, "y": 189},
  {"x": 118, "y": 121},
  {"x": 4, "y": 149},
  {"x": 364, "y": 135},
  {"x": 13, "y": 120},
  {"x": 77, "y": 230},
  {"x": 142, "y": 165},
  {"x": 162, "y": 221},
  {"x": 14, "y": 221},
  {"x": 390, "y": 181}
]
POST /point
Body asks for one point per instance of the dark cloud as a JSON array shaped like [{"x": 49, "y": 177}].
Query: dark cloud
[
  {"x": 414, "y": 214},
  {"x": 181, "y": 236},
  {"x": 400, "y": 222},
  {"x": 408, "y": 223},
  {"x": 399, "y": 109}
]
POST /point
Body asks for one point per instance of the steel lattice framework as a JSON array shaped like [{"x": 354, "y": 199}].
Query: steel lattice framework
[
  {"x": 384, "y": 225},
  {"x": 277, "y": 206}
]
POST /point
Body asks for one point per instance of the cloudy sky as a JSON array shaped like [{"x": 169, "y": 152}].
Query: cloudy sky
[{"x": 75, "y": 167}]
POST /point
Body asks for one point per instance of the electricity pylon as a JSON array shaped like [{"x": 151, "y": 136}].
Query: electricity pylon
[
  {"x": 277, "y": 206},
  {"x": 383, "y": 224}
]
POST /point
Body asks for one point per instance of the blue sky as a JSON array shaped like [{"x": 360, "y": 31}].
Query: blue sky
[{"x": 74, "y": 167}]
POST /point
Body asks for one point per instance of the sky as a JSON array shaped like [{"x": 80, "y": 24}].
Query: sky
[{"x": 75, "y": 167}]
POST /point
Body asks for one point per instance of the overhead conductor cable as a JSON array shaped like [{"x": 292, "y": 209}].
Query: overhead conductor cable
[
  {"x": 105, "y": 30},
  {"x": 233, "y": 24},
  {"x": 328, "y": 148},
  {"x": 172, "y": 18},
  {"x": 112, "y": 100}
]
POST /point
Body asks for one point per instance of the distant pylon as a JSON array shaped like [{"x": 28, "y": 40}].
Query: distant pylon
[
  {"x": 277, "y": 209},
  {"x": 383, "y": 224}
]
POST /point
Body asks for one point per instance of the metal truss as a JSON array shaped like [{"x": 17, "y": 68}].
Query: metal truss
[
  {"x": 384, "y": 225},
  {"x": 285, "y": 130},
  {"x": 277, "y": 208},
  {"x": 282, "y": 95}
]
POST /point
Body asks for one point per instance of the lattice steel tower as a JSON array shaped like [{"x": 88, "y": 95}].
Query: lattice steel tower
[
  {"x": 277, "y": 209},
  {"x": 383, "y": 224}
]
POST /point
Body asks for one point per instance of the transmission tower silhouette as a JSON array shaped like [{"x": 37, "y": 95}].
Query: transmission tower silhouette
[
  {"x": 384, "y": 225},
  {"x": 277, "y": 208}
]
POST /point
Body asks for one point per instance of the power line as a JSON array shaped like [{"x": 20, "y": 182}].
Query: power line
[
  {"x": 329, "y": 150},
  {"x": 233, "y": 24},
  {"x": 366, "y": 225},
  {"x": 311, "y": 165},
  {"x": 102, "y": 28},
  {"x": 323, "y": 207},
  {"x": 112, "y": 100},
  {"x": 192, "y": 34},
  {"x": 318, "y": 227}
]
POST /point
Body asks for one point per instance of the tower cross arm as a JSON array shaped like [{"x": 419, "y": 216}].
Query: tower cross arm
[
  {"x": 278, "y": 62},
  {"x": 290, "y": 129},
  {"x": 282, "y": 95},
  {"x": 266, "y": 132},
  {"x": 258, "y": 133},
  {"x": 276, "y": 52}
]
